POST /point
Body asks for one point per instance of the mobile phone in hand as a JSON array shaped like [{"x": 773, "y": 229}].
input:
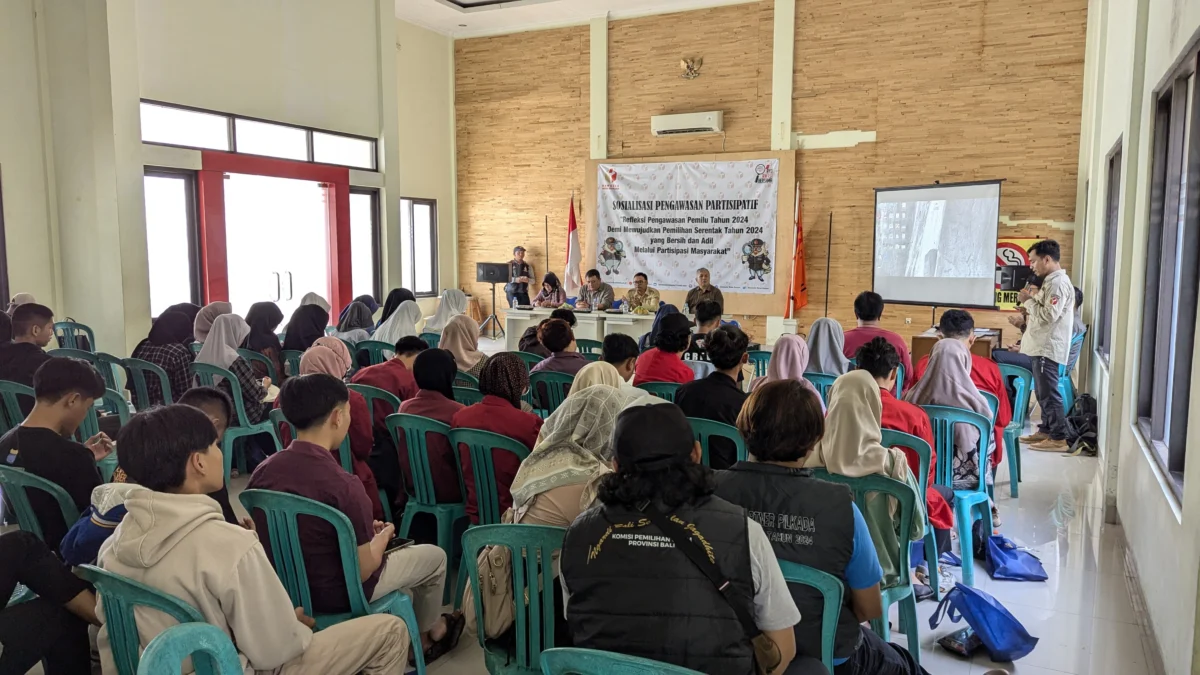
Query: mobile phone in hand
[{"x": 396, "y": 544}]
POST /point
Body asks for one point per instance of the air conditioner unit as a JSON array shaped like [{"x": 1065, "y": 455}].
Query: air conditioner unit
[{"x": 689, "y": 123}]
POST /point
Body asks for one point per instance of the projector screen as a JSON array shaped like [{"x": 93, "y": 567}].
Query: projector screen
[{"x": 936, "y": 244}]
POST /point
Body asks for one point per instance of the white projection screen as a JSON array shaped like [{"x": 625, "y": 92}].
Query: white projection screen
[{"x": 936, "y": 244}]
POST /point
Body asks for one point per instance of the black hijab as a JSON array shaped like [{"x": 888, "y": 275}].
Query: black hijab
[
  {"x": 356, "y": 315},
  {"x": 264, "y": 318},
  {"x": 171, "y": 327},
  {"x": 187, "y": 309},
  {"x": 306, "y": 326},
  {"x": 435, "y": 370},
  {"x": 397, "y": 296},
  {"x": 647, "y": 341}
]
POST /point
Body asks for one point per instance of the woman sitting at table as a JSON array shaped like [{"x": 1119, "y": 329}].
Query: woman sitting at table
[{"x": 552, "y": 294}]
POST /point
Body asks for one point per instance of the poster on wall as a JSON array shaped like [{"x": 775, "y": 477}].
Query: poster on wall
[
  {"x": 670, "y": 219},
  {"x": 1012, "y": 269}
]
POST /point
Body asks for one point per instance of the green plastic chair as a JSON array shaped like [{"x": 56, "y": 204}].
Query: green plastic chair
[
  {"x": 330, "y": 330},
  {"x": 106, "y": 364},
  {"x": 969, "y": 505},
  {"x": 899, "y": 384},
  {"x": 823, "y": 383},
  {"x": 467, "y": 396},
  {"x": 282, "y": 511},
  {"x": 575, "y": 661},
  {"x": 377, "y": 351},
  {"x": 530, "y": 358},
  {"x": 119, "y": 596},
  {"x": 533, "y": 579},
  {"x": 114, "y": 402},
  {"x": 373, "y": 394},
  {"x": 67, "y": 333},
  {"x": 16, "y": 483},
  {"x": 1066, "y": 387},
  {"x": 9, "y": 391},
  {"x": 196, "y": 347},
  {"x": 291, "y": 361},
  {"x": 1022, "y": 382},
  {"x": 251, "y": 356},
  {"x": 703, "y": 430},
  {"x": 993, "y": 404},
  {"x": 480, "y": 445},
  {"x": 586, "y": 346},
  {"x": 203, "y": 642},
  {"x": 549, "y": 390},
  {"x": 206, "y": 374},
  {"x": 831, "y": 590},
  {"x": 760, "y": 359},
  {"x": 138, "y": 370},
  {"x": 898, "y": 439},
  {"x": 664, "y": 390},
  {"x": 20, "y": 594},
  {"x": 902, "y": 592},
  {"x": 466, "y": 380},
  {"x": 431, "y": 339}
]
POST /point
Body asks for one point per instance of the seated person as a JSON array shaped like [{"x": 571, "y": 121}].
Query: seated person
[
  {"x": 221, "y": 350},
  {"x": 868, "y": 309},
  {"x": 622, "y": 352},
  {"x": 168, "y": 346},
  {"x": 708, "y": 319},
  {"x": 319, "y": 407},
  {"x": 782, "y": 423},
  {"x": 356, "y": 324},
  {"x": 435, "y": 372},
  {"x": 306, "y": 326},
  {"x": 552, "y": 293},
  {"x": 202, "y": 322},
  {"x": 641, "y": 295},
  {"x": 452, "y": 303},
  {"x": 32, "y": 330},
  {"x": 53, "y": 627},
  {"x": 65, "y": 390},
  {"x": 718, "y": 396},
  {"x": 460, "y": 337},
  {"x": 503, "y": 381},
  {"x": 264, "y": 319},
  {"x": 595, "y": 294},
  {"x": 176, "y": 542},
  {"x": 654, "y": 601},
  {"x": 704, "y": 292},
  {"x": 556, "y": 335},
  {"x": 664, "y": 362},
  {"x": 529, "y": 339},
  {"x": 394, "y": 376}
]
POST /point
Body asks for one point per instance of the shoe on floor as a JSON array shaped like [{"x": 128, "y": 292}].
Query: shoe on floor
[
  {"x": 1050, "y": 445},
  {"x": 997, "y": 671},
  {"x": 1036, "y": 437}
]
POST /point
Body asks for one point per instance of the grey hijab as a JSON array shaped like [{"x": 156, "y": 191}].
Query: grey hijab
[{"x": 825, "y": 344}]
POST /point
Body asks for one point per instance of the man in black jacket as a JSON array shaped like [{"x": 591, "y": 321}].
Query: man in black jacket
[{"x": 718, "y": 396}]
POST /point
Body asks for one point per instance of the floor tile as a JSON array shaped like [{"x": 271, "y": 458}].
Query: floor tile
[{"x": 1072, "y": 593}]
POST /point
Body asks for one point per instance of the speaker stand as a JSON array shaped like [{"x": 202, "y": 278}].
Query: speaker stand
[{"x": 492, "y": 320}]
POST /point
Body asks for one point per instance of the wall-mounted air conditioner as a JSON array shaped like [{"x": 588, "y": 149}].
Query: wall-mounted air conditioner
[{"x": 688, "y": 123}]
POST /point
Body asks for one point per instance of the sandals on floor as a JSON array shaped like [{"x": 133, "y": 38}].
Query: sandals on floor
[{"x": 454, "y": 628}]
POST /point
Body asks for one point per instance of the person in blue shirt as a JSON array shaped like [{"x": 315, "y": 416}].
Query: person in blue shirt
[{"x": 814, "y": 523}]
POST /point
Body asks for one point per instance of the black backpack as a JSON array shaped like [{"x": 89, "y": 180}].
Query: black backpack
[{"x": 1083, "y": 426}]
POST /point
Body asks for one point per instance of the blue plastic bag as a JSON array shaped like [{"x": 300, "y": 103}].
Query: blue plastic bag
[
  {"x": 1005, "y": 560},
  {"x": 1003, "y": 636}
]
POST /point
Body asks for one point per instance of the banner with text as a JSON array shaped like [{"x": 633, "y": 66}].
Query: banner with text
[
  {"x": 670, "y": 219},
  {"x": 1012, "y": 269}
]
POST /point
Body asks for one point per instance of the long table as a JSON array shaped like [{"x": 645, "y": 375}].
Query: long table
[{"x": 588, "y": 326}]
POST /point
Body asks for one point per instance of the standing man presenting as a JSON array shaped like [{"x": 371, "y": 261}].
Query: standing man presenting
[
  {"x": 595, "y": 294},
  {"x": 519, "y": 274},
  {"x": 1048, "y": 329},
  {"x": 703, "y": 292}
]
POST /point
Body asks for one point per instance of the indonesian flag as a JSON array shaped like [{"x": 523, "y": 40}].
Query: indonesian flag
[
  {"x": 798, "y": 295},
  {"x": 571, "y": 283}
]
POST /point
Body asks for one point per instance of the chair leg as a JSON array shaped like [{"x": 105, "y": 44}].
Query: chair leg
[
  {"x": 408, "y": 613},
  {"x": 880, "y": 626},
  {"x": 241, "y": 456},
  {"x": 908, "y": 619},
  {"x": 1014, "y": 468},
  {"x": 963, "y": 522},
  {"x": 931, "y": 564},
  {"x": 445, "y": 527},
  {"x": 460, "y": 584}
]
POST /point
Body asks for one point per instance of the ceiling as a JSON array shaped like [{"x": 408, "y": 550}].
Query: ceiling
[{"x": 473, "y": 18}]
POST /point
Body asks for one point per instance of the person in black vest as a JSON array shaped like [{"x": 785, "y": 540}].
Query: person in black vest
[
  {"x": 814, "y": 523},
  {"x": 519, "y": 274},
  {"x": 631, "y": 590}
]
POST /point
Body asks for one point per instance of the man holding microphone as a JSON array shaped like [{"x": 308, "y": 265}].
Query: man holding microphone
[
  {"x": 1049, "y": 328},
  {"x": 519, "y": 274}
]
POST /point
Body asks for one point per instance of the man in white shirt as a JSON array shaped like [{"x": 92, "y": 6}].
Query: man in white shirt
[{"x": 1049, "y": 328}]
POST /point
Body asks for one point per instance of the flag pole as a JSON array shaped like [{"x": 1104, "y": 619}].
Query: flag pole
[
  {"x": 547, "y": 249},
  {"x": 828, "y": 257},
  {"x": 791, "y": 313}
]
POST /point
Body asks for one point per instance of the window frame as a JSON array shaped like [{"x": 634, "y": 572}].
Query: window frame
[
  {"x": 195, "y": 264},
  {"x": 376, "y": 238},
  {"x": 433, "y": 234},
  {"x": 1108, "y": 259},
  {"x": 5, "y": 293}
]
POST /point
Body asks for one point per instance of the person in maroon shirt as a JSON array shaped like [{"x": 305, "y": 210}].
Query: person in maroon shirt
[
  {"x": 556, "y": 335},
  {"x": 868, "y": 309},
  {"x": 503, "y": 380},
  {"x": 435, "y": 373},
  {"x": 664, "y": 362}
]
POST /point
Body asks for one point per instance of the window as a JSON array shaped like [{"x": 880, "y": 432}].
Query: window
[
  {"x": 418, "y": 245},
  {"x": 1108, "y": 264},
  {"x": 331, "y": 149},
  {"x": 170, "y": 239},
  {"x": 1172, "y": 273},
  {"x": 181, "y": 126},
  {"x": 364, "y": 242},
  {"x": 272, "y": 140}
]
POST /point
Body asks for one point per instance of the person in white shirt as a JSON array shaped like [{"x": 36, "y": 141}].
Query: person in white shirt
[{"x": 1049, "y": 328}]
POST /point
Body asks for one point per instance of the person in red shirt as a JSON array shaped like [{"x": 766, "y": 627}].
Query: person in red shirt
[
  {"x": 502, "y": 382},
  {"x": 868, "y": 309},
  {"x": 435, "y": 373},
  {"x": 958, "y": 324},
  {"x": 880, "y": 359},
  {"x": 664, "y": 362}
]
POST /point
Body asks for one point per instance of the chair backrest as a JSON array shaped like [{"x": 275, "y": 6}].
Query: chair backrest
[
  {"x": 760, "y": 359},
  {"x": 898, "y": 439},
  {"x": 114, "y": 401},
  {"x": 431, "y": 339},
  {"x": 119, "y": 596},
  {"x": 703, "y": 429},
  {"x": 416, "y": 430},
  {"x": 291, "y": 361},
  {"x": 110, "y": 368},
  {"x": 281, "y": 511},
  {"x": 9, "y": 391},
  {"x": 533, "y": 579},
  {"x": 863, "y": 487},
  {"x": 1022, "y": 383},
  {"x": 664, "y": 390},
  {"x": 374, "y": 394},
  {"x": 16, "y": 483},
  {"x": 1076, "y": 347},
  {"x": 530, "y": 358},
  {"x": 586, "y": 346},
  {"x": 467, "y": 395},
  {"x": 206, "y": 374},
  {"x": 196, "y": 347},
  {"x": 466, "y": 380},
  {"x": 68, "y": 334},
  {"x": 575, "y": 661},
  {"x": 377, "y": 351},
  {"x": 203, "y": 642},
  {"x": 993, "y": 404},
  {"x": 822, "y": 382},
  {"x": 137, "y": 369},
  {"x": 330, "y": 330},
  {"x": 72, "y": 353},
  {"x": 480, "y": 445},
  {"x": 251, "y": 356},
  {"x": 899, "y": 380},
  {"x": 942, "y": 419},
  {"x": 831, "y": 590},
  {"x": 550, "y": 389}
]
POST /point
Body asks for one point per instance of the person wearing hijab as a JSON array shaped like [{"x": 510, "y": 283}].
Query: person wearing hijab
[
  {"x": 646, "y": 341},
  {"x": 851, "y": 447},
  {"x": 206, "y": 316},
  {"x": 167, "y": 346},
  {"x": 789, "y": 361},
  {"x": 18, "y": 300},
  {"x": 401, "y": 324},
  {"x": 435, "y": 371},
  {"x": 264, "y": 319},
  {"x": 187, "y": 308},
  {"x": 316, "y": 299},
  {"x": 947, "y": 381},
  {"x": 452, "y": 304},
  {"x": 552, "y": 293},
  {"x": 664, "y": 362},
  {"x": 393, "y": 301},
  {"x": 368, "y": 302},
  {"x": 503, "y": 381},
  {"x": 356, "y": 324},
  {"x": 596, "y": 374},
  {"x": 306, "y": 326},
  {"x": 461, "y": 338},
  {"x": 228, "y": 333},
  {"x": 825, "y": 344}
]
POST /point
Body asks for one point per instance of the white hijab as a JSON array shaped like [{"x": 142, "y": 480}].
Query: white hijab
[
  {"x": 453, "y": 303},
  {"x": 227, "y": 334},
  {"x": 402, "y": 323},
  {"x": 314, "y": 299}
]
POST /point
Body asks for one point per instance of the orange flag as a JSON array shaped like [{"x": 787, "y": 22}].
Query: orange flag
[{"x": 798, "y": 297}]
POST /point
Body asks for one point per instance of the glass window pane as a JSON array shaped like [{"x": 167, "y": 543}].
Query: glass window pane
[
  {"x": 167, "y": 241},
  {"x": 163, "y": 124},
  {"x": 362, "y": 243},
  {"x": 272, "y": 140},
  {"x": 406, "y": 233},
  {"x": 423, "y": 248},
  {"x": 333, "y": 149}
]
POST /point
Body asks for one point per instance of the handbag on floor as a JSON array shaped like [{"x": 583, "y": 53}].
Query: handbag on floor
[
  {"x": 1005, "y": 560},
  {"x": 1002, "y": 635}
]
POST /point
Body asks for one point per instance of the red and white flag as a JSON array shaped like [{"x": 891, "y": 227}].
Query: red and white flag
[{"x": 571, "y": 281}]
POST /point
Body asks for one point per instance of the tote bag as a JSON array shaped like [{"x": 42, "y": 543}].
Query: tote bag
[
  {"x": 1003, "y": 636},
  {"x": 1005, "y": 560}
]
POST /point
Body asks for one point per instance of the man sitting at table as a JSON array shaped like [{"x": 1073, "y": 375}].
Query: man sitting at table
[
  {"x": 703, "y": 292},
  {"x": 595, "y": 294},
  {"x": 642, "y": 295},
  {"x": 868, "y": 309}
]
